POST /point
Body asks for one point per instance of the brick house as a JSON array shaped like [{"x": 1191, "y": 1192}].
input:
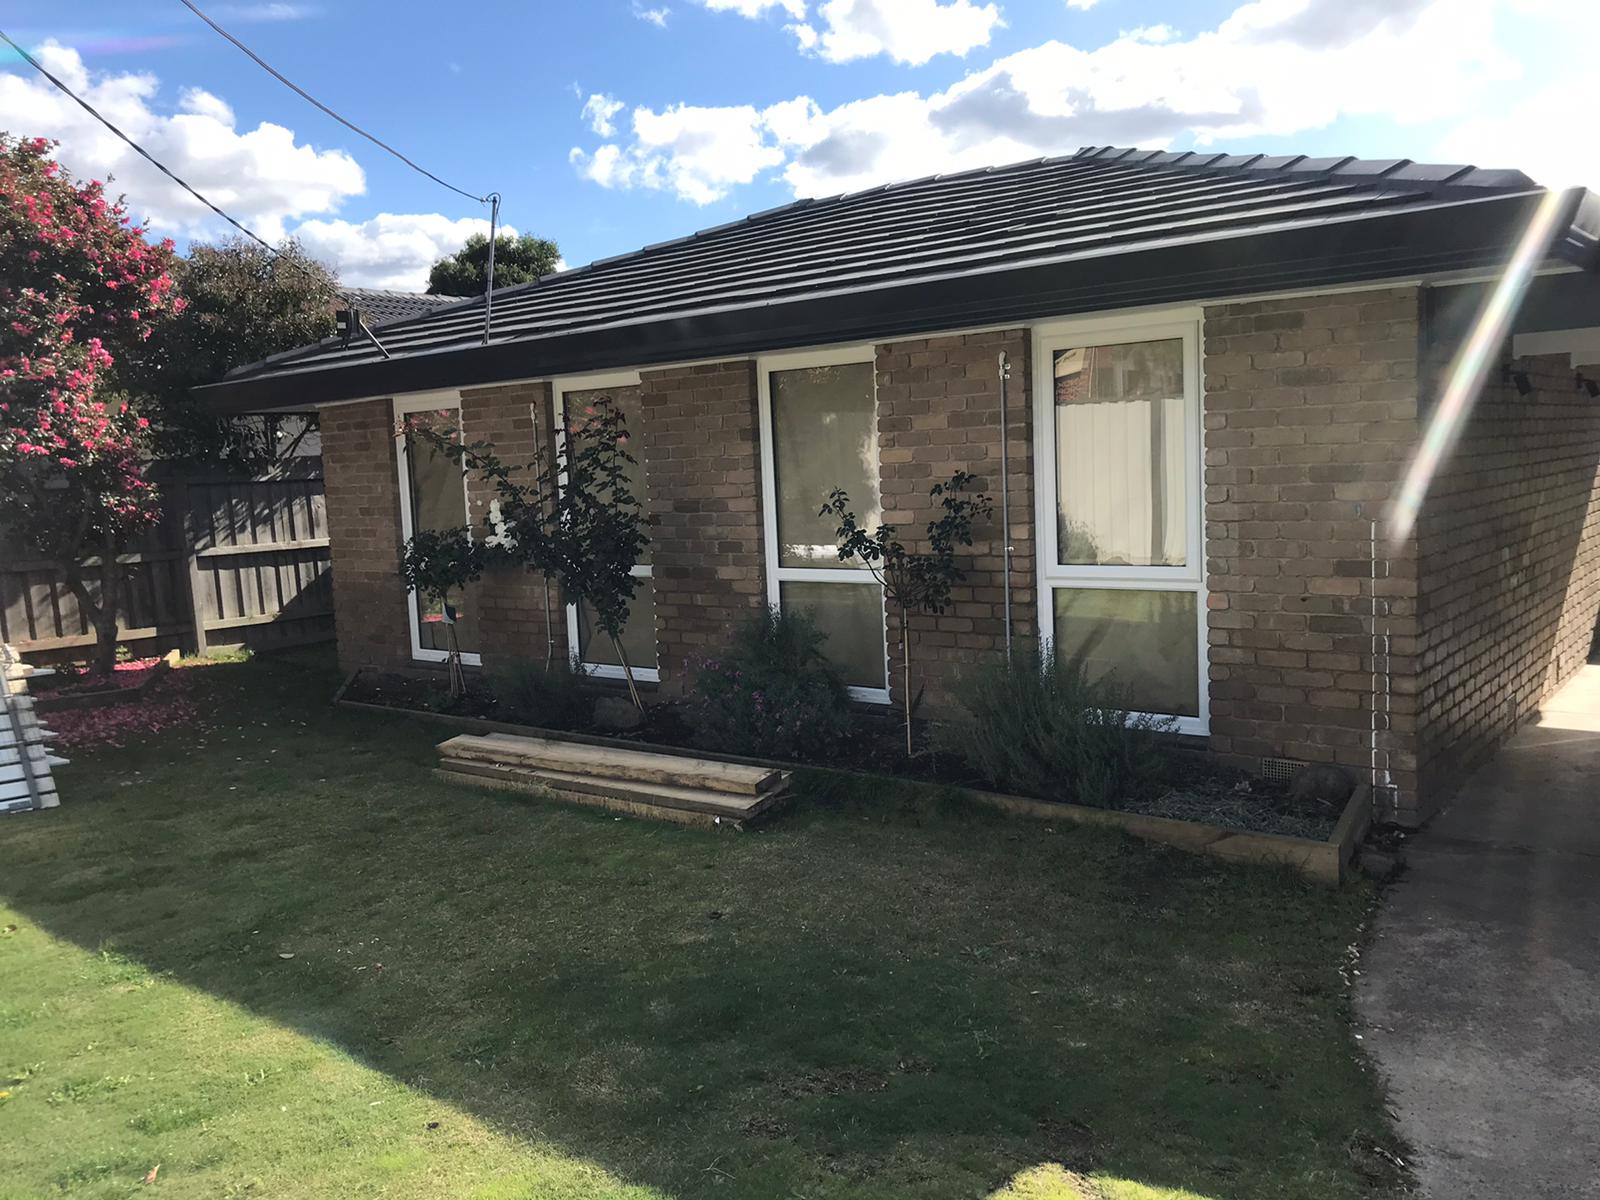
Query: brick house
[{"x": 1219, "y": 369}]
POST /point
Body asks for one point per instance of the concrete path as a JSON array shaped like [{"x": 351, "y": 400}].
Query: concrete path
[{"x": 1480, "y": 996}]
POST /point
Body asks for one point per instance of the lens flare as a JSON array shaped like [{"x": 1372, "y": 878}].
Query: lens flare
[{"x": 1472, "y": 361}]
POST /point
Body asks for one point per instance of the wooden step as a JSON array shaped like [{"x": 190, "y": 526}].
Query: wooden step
[
  {"x": 611, "y": 763},
  {"x": 690, "y": 806}
]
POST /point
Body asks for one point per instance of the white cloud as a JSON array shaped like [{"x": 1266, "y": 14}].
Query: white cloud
[
  {"x": 755, "y": 8},
  {"x": 598, "y": 110},
  {"x": 390, "y": 250},
  {"x": 697, "y": 153},
  {"x": 1082, "y": 5},
  {"x": 1274, "y": 68},
  {"x": 908, "y": 31},
  {"x": 263, "y": 176},
  {"x": 654, "y": 16},
  {"x": 1534, "y": 135}
]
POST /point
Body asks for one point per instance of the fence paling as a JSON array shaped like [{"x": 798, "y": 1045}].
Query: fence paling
[{"x": 231, "y": 555}]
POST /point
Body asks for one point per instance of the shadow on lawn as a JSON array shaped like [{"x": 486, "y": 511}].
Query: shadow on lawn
[{"x": 877, "y": 996}]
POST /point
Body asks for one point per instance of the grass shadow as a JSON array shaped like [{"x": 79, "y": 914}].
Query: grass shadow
[{"x": 889, "y": 992}]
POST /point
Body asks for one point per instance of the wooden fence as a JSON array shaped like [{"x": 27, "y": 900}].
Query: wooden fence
[{"x": 235, "y": 561}]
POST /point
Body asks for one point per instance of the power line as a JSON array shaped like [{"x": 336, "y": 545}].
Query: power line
[
  {"x": 162, "y": 167},
  {"x": 138, "y": 149},
  {"x": 307, "y": 96}
]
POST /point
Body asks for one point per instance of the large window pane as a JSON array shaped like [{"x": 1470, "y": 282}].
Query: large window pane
[
  {"x": 626, "y": 400},
  {"x": 638, "y": 634},
  {"x": 825, "y": 436},
  {"x": 1122, "y": 474},
  {"x": 1148, "y": 642},
  {"x": 438, "y": 501},
  {"x": 851, "y": 614}
]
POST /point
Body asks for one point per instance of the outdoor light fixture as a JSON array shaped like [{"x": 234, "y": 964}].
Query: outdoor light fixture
[{"x": 1515, "y": 375}]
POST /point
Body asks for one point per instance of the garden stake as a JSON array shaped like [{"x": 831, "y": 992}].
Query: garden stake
[{"x": 627, "y": 672}]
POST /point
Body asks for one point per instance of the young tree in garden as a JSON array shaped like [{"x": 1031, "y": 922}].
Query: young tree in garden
[
  {"x": 437, "y": 563},
  {"x": 80, "y": 289},
  {"x": 242, "y": 303},
  {"x": 516, "y": 260},
  {"x": 571, "y": 516},
  {"x": 913, "y": 582}
]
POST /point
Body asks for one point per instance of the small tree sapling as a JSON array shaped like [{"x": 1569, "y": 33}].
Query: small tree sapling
[
  {"x": 437, "y": 563},
  {"x": 571, "y": 516},
  {"x": 912, "y": 581}
]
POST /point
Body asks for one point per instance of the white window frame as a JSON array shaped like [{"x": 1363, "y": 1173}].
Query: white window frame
[
  {"x": 558, "y": 398},
  {"x": 766, "y": 364},
  {"x": 403, "y": 406},
  {"x": 1051, "y": 336}
]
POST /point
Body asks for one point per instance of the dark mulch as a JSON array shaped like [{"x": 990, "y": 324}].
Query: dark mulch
[{"x": 1193, "y": 787}]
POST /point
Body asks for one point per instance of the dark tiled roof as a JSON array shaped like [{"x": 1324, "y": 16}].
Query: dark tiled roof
[
  {"x": 379, "y": 306},
  {"x": 948, "y": 251}
]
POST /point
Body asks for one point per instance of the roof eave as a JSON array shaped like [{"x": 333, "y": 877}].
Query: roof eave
[{"x": 1472, "y": 236}]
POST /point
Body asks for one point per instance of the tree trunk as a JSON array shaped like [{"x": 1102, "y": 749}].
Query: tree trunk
[{"x": 100, "y": 612}]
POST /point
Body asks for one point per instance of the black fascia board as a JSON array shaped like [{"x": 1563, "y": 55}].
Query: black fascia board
[{"x": 1416, "y": 241}]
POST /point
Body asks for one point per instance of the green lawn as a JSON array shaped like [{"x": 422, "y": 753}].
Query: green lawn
[{"x": 881, "y": 994}]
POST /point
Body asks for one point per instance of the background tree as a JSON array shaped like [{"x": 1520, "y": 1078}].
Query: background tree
[
  {"x": 516, "y": 260},
  {"x": 80, "y": 289},
  {"x": 913, "y": 582},
  {"x": 242, "y": 304}
]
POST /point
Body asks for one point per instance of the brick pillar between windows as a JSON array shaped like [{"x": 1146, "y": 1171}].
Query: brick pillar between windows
[
  {"x": 702, "y": 467},
  {"x": 939, "y": 412}
]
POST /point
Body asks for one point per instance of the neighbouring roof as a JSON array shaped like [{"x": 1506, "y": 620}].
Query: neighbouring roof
[
  {"x": 1101, "y": 229},
  {"x": 380, "y": 306}
]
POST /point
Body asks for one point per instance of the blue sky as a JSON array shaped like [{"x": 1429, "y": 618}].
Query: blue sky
[{"x": 609, "y": 124}]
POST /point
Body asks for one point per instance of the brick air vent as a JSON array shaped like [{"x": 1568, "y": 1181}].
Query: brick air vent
[{"x": 1279, "y": 770}]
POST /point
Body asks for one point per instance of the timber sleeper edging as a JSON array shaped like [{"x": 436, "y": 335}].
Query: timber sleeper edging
[{"x": 1328, "y": 861}]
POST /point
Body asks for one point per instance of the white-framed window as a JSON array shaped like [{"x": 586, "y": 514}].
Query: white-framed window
[
  {"x": 571, "y": 397},
  {"x": 819, "y": 431},
  {"x": 1120, "y": 520},
  {"x": 433, "y": 495}
]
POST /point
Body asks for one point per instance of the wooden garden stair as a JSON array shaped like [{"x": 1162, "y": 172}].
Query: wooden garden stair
[{"x": 642, "y": 783}]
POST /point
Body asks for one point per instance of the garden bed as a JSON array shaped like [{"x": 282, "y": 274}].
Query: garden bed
[
  {"x": 129, "y": 681},
  {"x": 1200, "y": 806}
]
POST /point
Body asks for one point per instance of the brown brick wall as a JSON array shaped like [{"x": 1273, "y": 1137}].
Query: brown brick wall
[
  {"x": 363, "y": 504},
  {"x": 1310, "y": 417},
  {"x": 702, "y": 467},
  {"x": 1509, "y": 543},
  {"x": 939, "y": 412},
  {"x": 510, "y": 603}
]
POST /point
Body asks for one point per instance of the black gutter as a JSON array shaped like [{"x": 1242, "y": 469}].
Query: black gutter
[{"x": 1459, "y": 237}]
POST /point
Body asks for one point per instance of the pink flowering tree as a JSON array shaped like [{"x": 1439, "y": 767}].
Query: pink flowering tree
[{"x": 79, "y": 289}]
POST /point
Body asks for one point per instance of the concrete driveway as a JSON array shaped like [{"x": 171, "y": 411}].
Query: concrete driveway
[{"x": 1479, "y": 998}]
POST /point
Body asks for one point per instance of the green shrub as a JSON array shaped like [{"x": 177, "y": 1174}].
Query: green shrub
[
  {"x": 554, "y": 697},
  {"x": 1042, "y": 728},
  {"x": 773, "y": 694}
]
